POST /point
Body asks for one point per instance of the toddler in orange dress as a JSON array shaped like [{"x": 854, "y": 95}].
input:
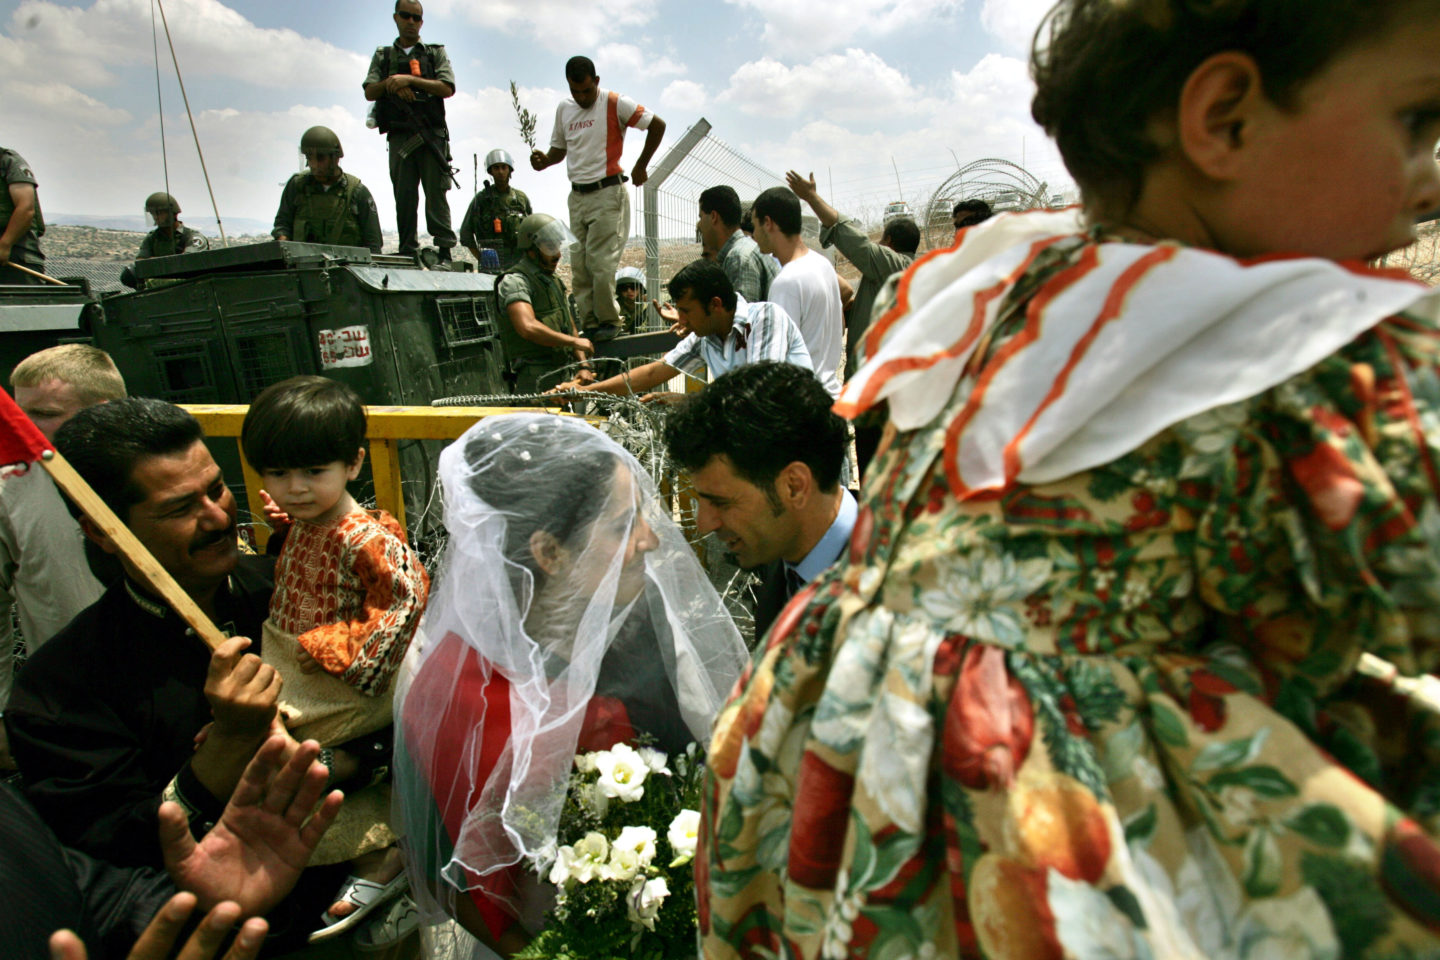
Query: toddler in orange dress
[{"x": 349, "y": 592}]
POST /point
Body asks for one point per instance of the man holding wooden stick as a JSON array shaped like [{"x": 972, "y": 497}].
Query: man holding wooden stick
[
  {"x": 21, "y": 223},
  {"x": 104, "y": 721}
]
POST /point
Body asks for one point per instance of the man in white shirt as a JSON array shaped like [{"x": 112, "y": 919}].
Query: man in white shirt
[
  {"x": 722, "y": 332},
  {"x": 43, "y": 569},
  {"x": 806, "y": 287},
  {"x": 589, "y": 135}
]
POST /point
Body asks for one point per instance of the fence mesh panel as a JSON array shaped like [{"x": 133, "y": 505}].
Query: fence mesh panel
[{"x": 669, "y": 203}]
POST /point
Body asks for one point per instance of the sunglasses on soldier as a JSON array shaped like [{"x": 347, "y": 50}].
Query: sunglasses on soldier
[{"x": 406, "y": 15}]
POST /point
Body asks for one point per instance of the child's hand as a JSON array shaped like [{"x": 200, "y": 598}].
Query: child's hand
[
  {"x": 277, "y": 518},
  {"x": 308, "y": 664}
]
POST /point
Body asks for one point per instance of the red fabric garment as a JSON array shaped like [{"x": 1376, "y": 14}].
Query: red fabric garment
[
  {"x": 20, "y": 440},
  {"x": 455, "y": 666}
]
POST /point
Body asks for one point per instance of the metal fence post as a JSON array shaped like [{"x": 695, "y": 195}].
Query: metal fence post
[{"x": 663, "y": 170}]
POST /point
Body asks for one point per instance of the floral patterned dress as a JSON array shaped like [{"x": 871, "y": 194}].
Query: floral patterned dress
[{"x": 1113, "y": 715}]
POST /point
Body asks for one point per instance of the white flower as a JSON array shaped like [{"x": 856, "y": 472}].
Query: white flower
[
  {"x": 639, "y": 839},
  {"x": 646, "y": 898},
  {"x": 585, "y": 762},
  {"x": 1149, "y": 775},
  {"x": 622, "y": 773},
  {"x": 564, "y": 862},
  {"x": 1238, "y": 805},
  {"x": 683, "y": 834},
  {"x": 981, "y": 594},
  {"x": 624, "y": 864},
  {"x": 590, "y": 855},
  {"x": 840, "y": 924},
  {"x": 654, "y": 759}
]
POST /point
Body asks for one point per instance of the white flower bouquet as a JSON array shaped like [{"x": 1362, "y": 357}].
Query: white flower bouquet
[{"x": 622, "y": 873}]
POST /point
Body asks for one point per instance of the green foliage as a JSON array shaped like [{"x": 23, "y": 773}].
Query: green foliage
[
  {"x": 1358, "y": 907},
  {"x": 523, "y": 117}
]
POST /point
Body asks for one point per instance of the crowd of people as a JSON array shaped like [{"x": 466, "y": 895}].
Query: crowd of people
[{"x": 1100, "y": 661}]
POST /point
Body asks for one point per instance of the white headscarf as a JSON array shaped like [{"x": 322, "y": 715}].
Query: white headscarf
[{"x": 566, "y": 580}]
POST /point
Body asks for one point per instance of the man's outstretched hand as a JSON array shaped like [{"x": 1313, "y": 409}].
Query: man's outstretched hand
[
  {"x": 160, "y": 936},
  {"x": 255, "y": 852}
]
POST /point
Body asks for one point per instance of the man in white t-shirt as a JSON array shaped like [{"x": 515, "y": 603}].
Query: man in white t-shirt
[
  {"x": 806, "y": 287},
  {"x": 589, "y": 135}
]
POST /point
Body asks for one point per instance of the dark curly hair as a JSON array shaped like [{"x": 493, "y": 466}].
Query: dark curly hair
[
  {"x": 762, "y": 417},
  {"x": 1104, "y": 70}
]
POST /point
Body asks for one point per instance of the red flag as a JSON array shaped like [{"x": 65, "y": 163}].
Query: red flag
[{"x": 21, "y": 442}]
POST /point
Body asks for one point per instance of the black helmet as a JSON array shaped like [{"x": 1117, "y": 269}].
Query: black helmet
[{"x": 320, "y": 140}]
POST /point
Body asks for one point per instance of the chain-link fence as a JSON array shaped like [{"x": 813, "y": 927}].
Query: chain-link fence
[{"x": 670, "y": 202}]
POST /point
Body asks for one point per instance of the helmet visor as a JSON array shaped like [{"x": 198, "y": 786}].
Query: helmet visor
[{"x": 553, "y": 238}]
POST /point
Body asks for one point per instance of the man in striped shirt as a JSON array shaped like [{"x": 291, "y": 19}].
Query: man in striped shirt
[{"x": 723, "y": 332}]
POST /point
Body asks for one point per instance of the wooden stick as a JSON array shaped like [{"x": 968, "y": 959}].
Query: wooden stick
[
  {"x": 38, "y": 275},
  {"x": 155, "y": 576}
]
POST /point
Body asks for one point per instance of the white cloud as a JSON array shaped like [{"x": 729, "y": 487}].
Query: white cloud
[
  {"x": 630, "y": 60},
  {"x": 801, "y": 27},
  {"x": 83, "y": 46},
  {"x": 684, "y": 95},
  {"x": 561, "y": 26},
  {"x": 851, "y": 87},
  {"x": 1013, "y": 22},
  {"x": 981, "y": 113}
]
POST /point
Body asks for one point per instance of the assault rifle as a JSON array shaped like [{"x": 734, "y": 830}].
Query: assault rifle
[{"x": 427, "y": 136}]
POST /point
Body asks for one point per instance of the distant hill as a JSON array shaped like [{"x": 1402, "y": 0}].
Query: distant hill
[{"x": 136, "y": 222}]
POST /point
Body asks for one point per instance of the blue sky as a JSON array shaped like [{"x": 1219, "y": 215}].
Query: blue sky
[{"x": 837, "y": 86}]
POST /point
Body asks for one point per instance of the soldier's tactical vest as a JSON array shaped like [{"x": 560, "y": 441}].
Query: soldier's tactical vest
[
  {"x": 398, "y": 116},
  {"x": 552, "y": 308},
  {"x": 509, "y": 210},
  {"x": 163, "y": 246},
  {"x": 7, "y": 206},
  {"x": 326, "y": 216}
]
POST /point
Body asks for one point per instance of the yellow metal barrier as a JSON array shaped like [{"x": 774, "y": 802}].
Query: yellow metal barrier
[{"x": 385, "y": 427}]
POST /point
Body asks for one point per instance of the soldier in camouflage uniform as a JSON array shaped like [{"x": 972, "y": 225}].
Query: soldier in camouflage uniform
[
  {"x": 325, "y": 204},
  {"x": 630, "y": 295},
  {"x": 170, "y": 236},
  {"x": 494, "y": 215},
  {"x": 537, "y": 328},
  {"x": 21, "y": 224}
]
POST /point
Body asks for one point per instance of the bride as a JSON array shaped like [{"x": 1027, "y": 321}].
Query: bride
[{"x": 569, "y": 614}]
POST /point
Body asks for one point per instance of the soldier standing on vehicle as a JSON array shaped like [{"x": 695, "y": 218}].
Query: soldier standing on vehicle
[
  {"x": 170, "y": 236},
  {"x": 589, "y": 135},
  {"x": 409, "y": 82},
  {"x": 326, "y": 204},
  {"x": 495, "y": 213},
  {"x": 21, "y": 225},
  {"x": 538, "y": 331}
]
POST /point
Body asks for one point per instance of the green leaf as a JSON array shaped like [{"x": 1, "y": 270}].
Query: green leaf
[
  {"x": 1225, "y": 754},
  {"x": 1168, "y": 725},
  {"x": 862, "y": 860},
  {"x": 1127, "y": 903},
  {"x": 1323, "y": 824},
  {"x": 1263, "y": 864},
  {"x": 1359, "y": 909},
  {"x": 1264, "y": 780},
  {"x": 1141, "y": 827},
  {"x": 727, "y": 883}
]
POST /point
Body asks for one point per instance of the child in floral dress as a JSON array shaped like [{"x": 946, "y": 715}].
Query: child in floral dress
[
  {"x": 349, "y": 594},
  {"x": 1159, "y": 475}
]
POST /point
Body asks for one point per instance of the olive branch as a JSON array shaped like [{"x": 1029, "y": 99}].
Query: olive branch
[{"x": 524, "y": 117}]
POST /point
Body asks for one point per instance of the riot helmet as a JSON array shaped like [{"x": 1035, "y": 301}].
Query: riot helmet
[
  {"x": 320, "y": 140},
  {"x": 629, "y": 277},
  {"x": 544, "y": 233},
  {"x": 499, "y": 156}
]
